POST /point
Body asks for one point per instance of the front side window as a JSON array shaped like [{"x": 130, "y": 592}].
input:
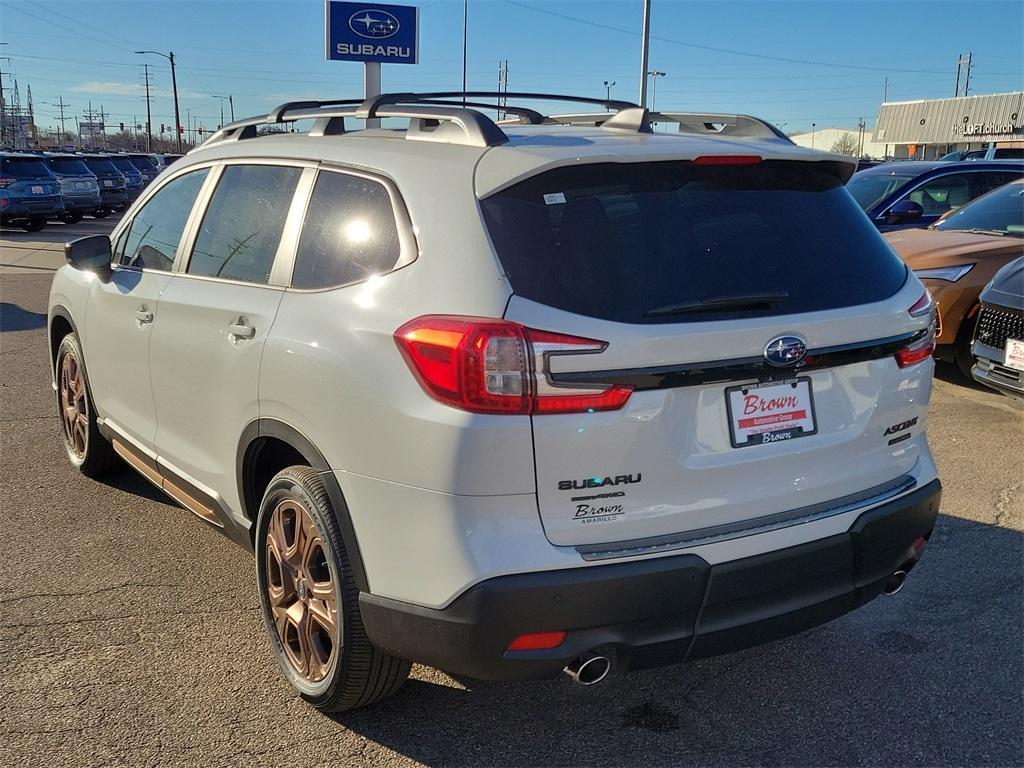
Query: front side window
[
  {"x": 349, "y": 233},
  {"x": 942, "y": 194},
  {"x": 242, "y": 227},
  {"x": 152, "y": 239}
]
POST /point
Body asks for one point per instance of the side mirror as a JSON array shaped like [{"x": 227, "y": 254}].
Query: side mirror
[
  {"x": 91, "y": 254},
  {"x": 904, "y": 211}
]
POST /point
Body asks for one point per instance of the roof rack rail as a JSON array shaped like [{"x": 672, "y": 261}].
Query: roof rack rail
[
  {"x": 453, "y": 116},
  {"x": 715, "y": 123}
]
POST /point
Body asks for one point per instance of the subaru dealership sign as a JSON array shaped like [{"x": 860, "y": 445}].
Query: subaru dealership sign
[{"x": 364, "y": 32}]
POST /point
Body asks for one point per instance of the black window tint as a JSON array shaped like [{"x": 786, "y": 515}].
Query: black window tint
[
  {"x": 242, "y": 226},
  {"x": 69, "y": 166},
  {"x": 101, "y": 166},
  {"x": 349, "y": 233},
  {"x": 25, "y": 168},
  {"x": 154, "y": 234},
  {"x": 124, "y": 165},
  {"x": 614, "y": 241}
]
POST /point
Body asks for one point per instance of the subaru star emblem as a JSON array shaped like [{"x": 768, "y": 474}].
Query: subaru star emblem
[
  {"x": 374, "y": 24},
  {"x": 785, "y": 350}
]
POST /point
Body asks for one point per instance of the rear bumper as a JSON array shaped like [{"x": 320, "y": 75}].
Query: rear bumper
[
  {"x": 30, "y": 208},
  {"x": 84, "y": 202},
  {"x": 656, "y": 611}
]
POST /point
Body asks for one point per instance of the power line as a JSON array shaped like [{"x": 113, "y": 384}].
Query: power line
[{"x": 714, "y": 49}]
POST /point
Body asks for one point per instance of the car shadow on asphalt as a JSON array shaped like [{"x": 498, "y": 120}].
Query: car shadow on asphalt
[
  {"x": 948, "y": 372},
  {"x": 930, "y": 676},
  {"x": 132, "y": 482},
  {"x": 14, "y": 318}
]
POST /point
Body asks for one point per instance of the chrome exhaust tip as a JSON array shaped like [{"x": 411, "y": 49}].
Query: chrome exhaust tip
[
  {"x": 589, "y": 669},
  {"x": 894, "y": 583}
]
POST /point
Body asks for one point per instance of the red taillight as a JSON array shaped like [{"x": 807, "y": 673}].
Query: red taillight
[
  {"x": 921, "y": 349},
  {"x": 537, "y": 641},
  {"x": 6, "y": 182},
  {"x": 727, "y": 160},
  {"x": 497, "y": 366}
]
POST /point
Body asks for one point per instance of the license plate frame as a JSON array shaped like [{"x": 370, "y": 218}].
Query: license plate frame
[
  {"x": 800, "y": 421},
  {"x": 38, "y": 190}
]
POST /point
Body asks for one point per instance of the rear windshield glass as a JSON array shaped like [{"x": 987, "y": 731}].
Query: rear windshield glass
[
  {"x": 124, "y": 164},
  {"x": 68, "y": 166},
  {"x": 100, "y": 166},
  {"x": 630, "y": 242},
  {"x": 868, "y": 189},
  {"x": 25, "y": 168},
  {"x": 143, "y": 160}
]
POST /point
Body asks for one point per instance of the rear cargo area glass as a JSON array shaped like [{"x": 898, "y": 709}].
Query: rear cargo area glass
[{"x": 614, "y": 241}]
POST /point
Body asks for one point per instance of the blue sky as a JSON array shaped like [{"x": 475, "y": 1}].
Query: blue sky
[{"x": 792, "y": 63}]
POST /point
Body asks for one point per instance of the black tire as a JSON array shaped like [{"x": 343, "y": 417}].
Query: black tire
[
  {"x": 358, "y": 673},
  {"x": 34, "y": 225},
  {"x": 71, "y": 217},
  {"x": 100, "y": 213},
  {"x": 962, "y": 355},
  {"x": 87, "y": 450}
]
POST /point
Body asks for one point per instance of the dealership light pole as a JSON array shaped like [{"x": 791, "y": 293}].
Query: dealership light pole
[
  {"x": 654, "y": 75},
  {"x": 608, "y": 85},
  {"x": 643, "y": 53},
  {"x": 231, "y": 104},
  {"x": 174, "y": 86}
]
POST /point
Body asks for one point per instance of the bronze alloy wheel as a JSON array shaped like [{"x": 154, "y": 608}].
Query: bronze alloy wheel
[
  {"x": 74, "y": 406},
  {"x": 301, "y": 591}
]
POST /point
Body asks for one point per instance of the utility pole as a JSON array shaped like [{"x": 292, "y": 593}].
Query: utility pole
[
  {"x": 465, "y": 44},
  {"x": 231, "y": 104},
  {"x": 502, "y": 86},
  {"x": 60, "y": 104},
  {"x": 967, "y": 80},
  {"x": 960, "y": 65},
  {"x": 860, "y": 143},
  {"x": 149, "y": 115},
  {"x": 645, "y": 45},
  {"x": 885, "y": 91},
  {"x": 813, "y": 125}
]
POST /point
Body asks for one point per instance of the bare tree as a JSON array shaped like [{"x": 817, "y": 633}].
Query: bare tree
[{"x": 845, "y": 145}]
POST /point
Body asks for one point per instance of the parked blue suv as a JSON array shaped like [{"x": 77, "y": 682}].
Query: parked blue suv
[
  {"x": 29, "y": 192},
  {"x": 134, "y": 181},
  {"x": 78, "y": 185},
  {"x": 913, "y": 193}
]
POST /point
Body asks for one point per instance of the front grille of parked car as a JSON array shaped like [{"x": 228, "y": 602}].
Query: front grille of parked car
[
  {"x": 1006, "y": 374},
  {"x": 997, "y": 324}
]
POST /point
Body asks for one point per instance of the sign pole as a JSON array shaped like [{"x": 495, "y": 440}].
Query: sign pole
[{"x": 371, "y": 87}]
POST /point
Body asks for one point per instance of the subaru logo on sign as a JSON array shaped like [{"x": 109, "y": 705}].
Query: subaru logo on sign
[
  {"x": 785, "y": 350},
  {"x": 373, "y": 24}
]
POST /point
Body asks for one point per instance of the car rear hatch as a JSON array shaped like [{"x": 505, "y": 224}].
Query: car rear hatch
[
  {"x": 29, "y": 178},
  {"x": 757, "y": 322}
]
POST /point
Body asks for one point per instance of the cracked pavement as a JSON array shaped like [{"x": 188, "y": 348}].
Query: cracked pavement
[{"x": 130, "y": 635}]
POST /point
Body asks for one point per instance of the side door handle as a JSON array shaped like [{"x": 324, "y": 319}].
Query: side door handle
[
  {"x": 143, "y": 315},
  {"x": 241, "y": 330}
]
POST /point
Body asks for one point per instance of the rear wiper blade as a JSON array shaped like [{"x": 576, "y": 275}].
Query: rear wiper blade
[{"x": 745, "y": 301}]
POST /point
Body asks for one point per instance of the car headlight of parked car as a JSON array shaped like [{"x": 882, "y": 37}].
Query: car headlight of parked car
[{"x": 951, "y": 274}]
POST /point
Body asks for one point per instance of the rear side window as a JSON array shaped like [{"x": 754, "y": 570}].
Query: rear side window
[
  {"x": 151, "y": 241},
  {"x": 349, "y": 233},
  {"x": 242, "y": 227},
  {"x": 616, "y": 241},
  {"x": 24, "y": 168}
]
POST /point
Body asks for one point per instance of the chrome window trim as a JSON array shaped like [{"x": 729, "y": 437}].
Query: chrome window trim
[{"x": 408, "y": 250}]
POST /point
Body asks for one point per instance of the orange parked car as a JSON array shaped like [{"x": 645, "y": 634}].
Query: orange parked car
[{"x": 957, "y": 256}]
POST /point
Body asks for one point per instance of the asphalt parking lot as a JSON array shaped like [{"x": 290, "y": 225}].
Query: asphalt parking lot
[{"x": 130, "y": 632}]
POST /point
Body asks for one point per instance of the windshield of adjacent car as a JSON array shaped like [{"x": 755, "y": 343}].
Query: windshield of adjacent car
[
  {"x": 999, "y": 213},
  {"x": 665, "y": 242},
  {"x": 69, "y": 166},
  {"x": 868, "y": 189},
  {"x": 25, "y": 168}
]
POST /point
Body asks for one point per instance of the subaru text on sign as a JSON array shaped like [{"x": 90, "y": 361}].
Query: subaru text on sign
[{"x": 362, "y": 32}]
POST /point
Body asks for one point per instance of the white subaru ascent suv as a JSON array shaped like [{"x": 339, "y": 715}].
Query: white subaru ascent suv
[{"x": 508, "y": 399}]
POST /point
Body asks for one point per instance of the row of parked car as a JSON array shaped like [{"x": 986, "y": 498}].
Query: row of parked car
[{"x": 37, "y": 187}]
